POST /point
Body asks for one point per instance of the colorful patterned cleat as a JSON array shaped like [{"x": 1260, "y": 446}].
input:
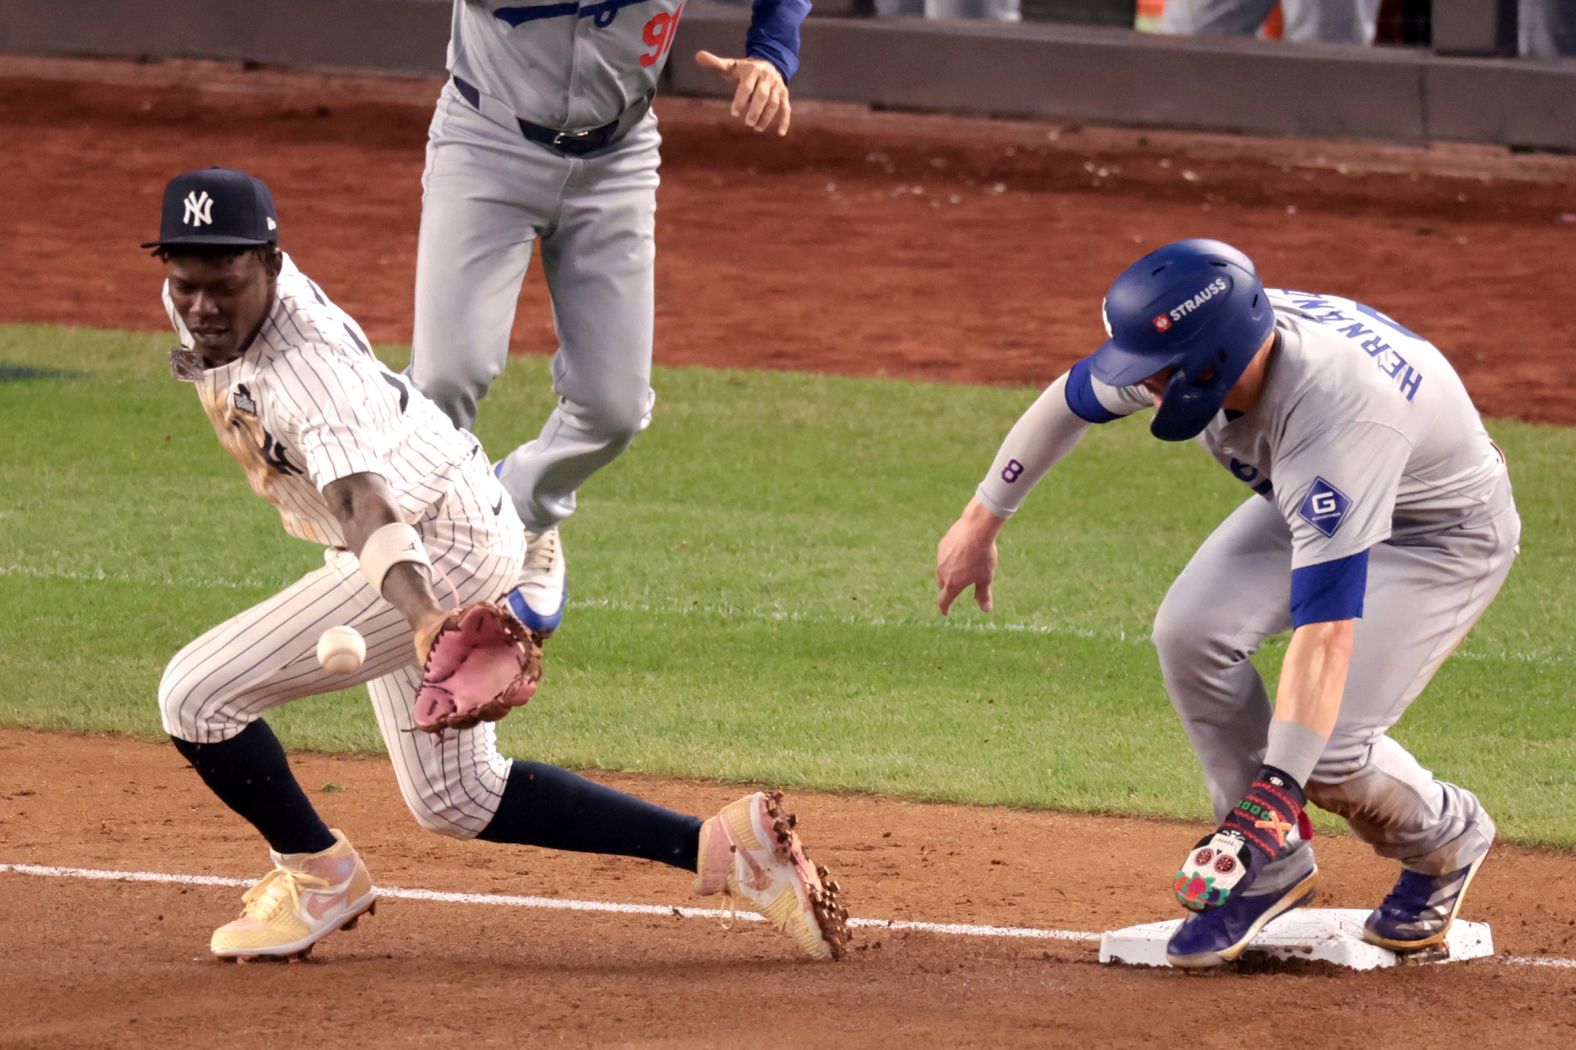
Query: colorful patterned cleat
[
  {"x": 1216, "y": 867},
  {"x": 304, "y": 899},
  {"x": 538, "y": 599},
  {"x": 1419, "y": 910},
  {"x": 1220, "y": 935},
  {"x": 751, "y": 852}
]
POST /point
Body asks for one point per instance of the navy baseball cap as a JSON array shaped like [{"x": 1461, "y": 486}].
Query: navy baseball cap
[{"x": 217, "y": 206}]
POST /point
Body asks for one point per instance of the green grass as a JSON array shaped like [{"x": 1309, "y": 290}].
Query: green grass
[{"x": 752, "y": 591}]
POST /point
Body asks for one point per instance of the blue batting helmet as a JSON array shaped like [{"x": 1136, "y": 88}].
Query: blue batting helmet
[{"x": 1196, "y": 306}]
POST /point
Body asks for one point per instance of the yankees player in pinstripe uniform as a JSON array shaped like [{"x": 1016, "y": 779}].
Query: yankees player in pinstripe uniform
[
  {"x": 1380, "y": 527},
  {"x": 406, "y": 506},
  {"x": 544, "y": 133}
]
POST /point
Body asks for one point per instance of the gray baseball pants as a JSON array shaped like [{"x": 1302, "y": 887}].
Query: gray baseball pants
[
  {"x": 1421, "y": 601},
  {"x": 488, "y": 196}
]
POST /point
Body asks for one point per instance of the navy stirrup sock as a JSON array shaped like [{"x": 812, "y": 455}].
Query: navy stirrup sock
[
  {"x": 550, "y": 807},
  {"x": 250, "y": 774}
]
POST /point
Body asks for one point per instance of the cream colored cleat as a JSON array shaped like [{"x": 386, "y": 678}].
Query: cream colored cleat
[
  {"x": 304, "y": 899},
  {"x": 750, "y": 852}
]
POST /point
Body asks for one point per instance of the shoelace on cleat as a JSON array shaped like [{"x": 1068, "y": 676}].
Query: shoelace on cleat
[
  {"x": 735, "y": 854},
  {"x": 540, "y": 555},
  {"x": 262, "y": 900},
  {"x": 762, "y": 879}
]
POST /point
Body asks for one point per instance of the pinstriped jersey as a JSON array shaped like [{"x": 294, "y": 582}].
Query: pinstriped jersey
[{"x": 308, "y": 403}]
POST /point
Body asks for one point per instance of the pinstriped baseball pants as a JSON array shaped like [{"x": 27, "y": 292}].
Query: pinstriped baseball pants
[{"x": 267, "y": 656}]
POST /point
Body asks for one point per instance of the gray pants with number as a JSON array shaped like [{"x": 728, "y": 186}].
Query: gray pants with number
[
  {"x": 489, "y": 195},
  {"x": 1421, "y": 601},
  {"x": 1327, "y": 21}
]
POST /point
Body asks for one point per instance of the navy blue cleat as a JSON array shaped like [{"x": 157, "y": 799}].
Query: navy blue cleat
[
  {"x": 1419, "y": 910},
  {"x": 1210, "y": 938},
  {"x": 539, "y": 597}
]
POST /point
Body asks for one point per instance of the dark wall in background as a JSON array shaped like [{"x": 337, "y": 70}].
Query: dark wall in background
[
  {"x": 1087, "y": 73},
  {"x": 1084, "y": 12}
]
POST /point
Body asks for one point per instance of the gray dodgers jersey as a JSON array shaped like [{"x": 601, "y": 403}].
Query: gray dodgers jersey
[
  {"x": 1363, "y": 433},
  {"x": 308, "y": 403},
  {"x": 563, "y": 65}
]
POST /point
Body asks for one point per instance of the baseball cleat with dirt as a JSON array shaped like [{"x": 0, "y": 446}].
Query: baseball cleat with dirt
[
  {"x": 1211, "y": 938},
  {"x": 751, "y": 852},
  {"x": 1419, "y": 911}
]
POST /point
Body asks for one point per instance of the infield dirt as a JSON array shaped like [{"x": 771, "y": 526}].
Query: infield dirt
[{"x": 956, "y": 250}]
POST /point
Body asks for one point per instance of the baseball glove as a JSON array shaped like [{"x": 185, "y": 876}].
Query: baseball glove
[{"x": 481, "y": 664}]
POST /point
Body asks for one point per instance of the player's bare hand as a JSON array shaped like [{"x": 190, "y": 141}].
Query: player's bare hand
[
  {"x": 761, "y": 94},
  {"x": 966, "y": 557}
]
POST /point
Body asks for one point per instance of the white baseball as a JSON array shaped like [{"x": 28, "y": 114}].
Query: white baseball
[{"x": 341, "y": 649}]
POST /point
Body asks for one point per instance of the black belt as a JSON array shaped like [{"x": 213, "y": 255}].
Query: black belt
[{"x": 569, "y": 143}]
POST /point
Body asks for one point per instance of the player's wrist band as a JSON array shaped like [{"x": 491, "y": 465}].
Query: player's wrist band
[
  {"x": 1294, "y": 749},
  {"x": 388, "y": 546}
]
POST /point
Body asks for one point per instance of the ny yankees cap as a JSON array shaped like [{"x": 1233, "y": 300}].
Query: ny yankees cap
[{"x": 217, "y": 206}]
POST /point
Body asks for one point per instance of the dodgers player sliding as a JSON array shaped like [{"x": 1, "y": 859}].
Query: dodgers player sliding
[
  {"x": 356, "y": 460},
  {"x": 544, "y": 133},
  {"x": 1380, "y": 528}
]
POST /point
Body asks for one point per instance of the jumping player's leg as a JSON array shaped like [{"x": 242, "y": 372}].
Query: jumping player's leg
[
  {"x": 1420, "y": 604},
  {"x": 484, "y": 195},
  {"x": 599, "y": 260}
]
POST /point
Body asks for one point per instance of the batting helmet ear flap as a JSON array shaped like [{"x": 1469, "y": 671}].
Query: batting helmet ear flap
[{"x": 1195, "y": 306}]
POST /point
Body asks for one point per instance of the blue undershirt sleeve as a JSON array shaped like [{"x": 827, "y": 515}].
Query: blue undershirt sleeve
[
  {"x": 1329, "y": 591},
  {"x": 1081, "y": 397},
  {"x": 774, "y": 33}
]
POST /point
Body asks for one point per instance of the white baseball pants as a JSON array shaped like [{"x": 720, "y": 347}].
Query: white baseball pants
[{"x": 267, "y": 656}]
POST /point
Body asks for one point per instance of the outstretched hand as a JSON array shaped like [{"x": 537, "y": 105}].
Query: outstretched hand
[
  {"x": 966, "y": 557},
  {"x": 761, "y": 94}
]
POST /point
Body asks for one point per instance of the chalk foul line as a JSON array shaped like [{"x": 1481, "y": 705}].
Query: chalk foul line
[
  {"x": 947, "y": 929},
  {"x": 952, "y": 929}
]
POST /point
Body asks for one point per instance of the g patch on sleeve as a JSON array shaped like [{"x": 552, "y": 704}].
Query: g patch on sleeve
[{"x": 1324, "y": 507}]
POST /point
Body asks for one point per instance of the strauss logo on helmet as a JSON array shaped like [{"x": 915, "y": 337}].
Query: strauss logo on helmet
[{"x": 1194, "y": 311}]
